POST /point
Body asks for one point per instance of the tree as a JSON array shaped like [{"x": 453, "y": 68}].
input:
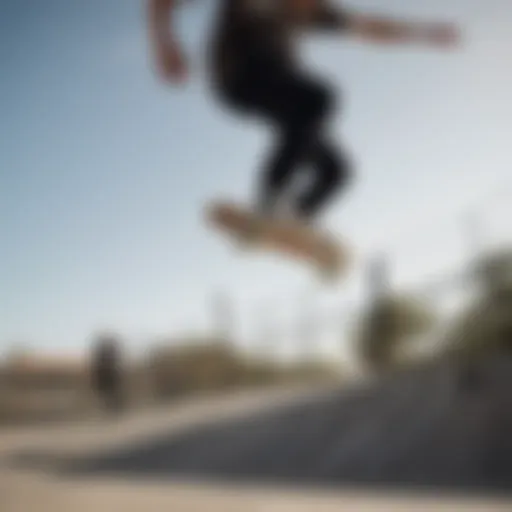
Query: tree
[
  {"x": 391, "y": 322},
  {"x": 486, "y": 325}
]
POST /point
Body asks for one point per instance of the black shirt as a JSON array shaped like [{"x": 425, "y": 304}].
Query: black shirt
[
  {"x": 256, "y": 35},
  {"x": 250, "y": 34}
]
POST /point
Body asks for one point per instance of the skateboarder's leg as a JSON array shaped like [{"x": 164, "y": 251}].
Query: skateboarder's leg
[
  {"x": 298, "y": 107},
  {"x": 330, "y": 175}
]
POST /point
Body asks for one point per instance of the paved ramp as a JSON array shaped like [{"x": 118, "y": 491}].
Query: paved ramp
[{"x": 417, "y": 430}]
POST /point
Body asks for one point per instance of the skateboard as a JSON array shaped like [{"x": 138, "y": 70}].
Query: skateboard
[{"x": 285, "y": 236}]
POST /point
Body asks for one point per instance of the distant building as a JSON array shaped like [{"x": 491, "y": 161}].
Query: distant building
[{"x": 35, "y": 364}]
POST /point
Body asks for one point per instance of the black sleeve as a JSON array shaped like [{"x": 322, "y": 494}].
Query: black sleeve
[{"x": 330, "y": 18}]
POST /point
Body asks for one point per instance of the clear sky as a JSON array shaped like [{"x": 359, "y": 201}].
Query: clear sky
[{"x": 104, "y": 170}]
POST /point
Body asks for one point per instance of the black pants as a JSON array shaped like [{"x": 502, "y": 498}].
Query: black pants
[{"x": 298, "y": 107}]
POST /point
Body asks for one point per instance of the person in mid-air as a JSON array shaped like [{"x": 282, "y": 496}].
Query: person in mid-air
[{"x": 255, "y": 71}]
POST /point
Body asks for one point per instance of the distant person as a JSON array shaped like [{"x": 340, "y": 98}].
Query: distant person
[
  {"x": 255, "y": 71},
  {"x": 107, "y": 373}
]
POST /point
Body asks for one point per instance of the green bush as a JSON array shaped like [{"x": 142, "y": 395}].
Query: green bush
[{"x": 391, "y": 322}]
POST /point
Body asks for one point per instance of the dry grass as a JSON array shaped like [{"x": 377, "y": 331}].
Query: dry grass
[{"x": 32, "y": 391}]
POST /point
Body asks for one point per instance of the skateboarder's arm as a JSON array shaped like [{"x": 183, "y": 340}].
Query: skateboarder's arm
[
  {"x": 382, "y": 29},
  {"x": 379, "y": 29},
  {"x": 166, "y": 48}
]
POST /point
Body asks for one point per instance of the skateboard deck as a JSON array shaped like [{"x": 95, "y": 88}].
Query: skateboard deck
[{"x": 287, "y": 237}]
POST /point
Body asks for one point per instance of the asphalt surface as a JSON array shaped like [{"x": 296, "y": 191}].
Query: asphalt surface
[{"x": 425, "y": 429}]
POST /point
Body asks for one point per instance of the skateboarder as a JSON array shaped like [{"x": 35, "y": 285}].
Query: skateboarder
[{"x": 255, "y": 71}]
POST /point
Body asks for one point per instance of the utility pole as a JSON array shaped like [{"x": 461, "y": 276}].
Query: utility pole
[
  {"x": 474, "y": 234},
  {"x": 378, "y": 279},
  {"x": 267, "y": 331},
  {"x": 223, "y": 317},
  {"x": 307, "y": 328},
  {"x": 378, "y": 288},
  {"x": 473, "y": 231}
]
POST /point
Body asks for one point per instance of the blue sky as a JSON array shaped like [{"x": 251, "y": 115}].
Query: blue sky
[{"x": 104, "y": 170}]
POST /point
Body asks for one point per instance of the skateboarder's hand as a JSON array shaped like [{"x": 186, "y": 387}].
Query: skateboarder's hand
[
  {"x": 171, "y": 63},
  {"x": 444, "y": 35}
]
